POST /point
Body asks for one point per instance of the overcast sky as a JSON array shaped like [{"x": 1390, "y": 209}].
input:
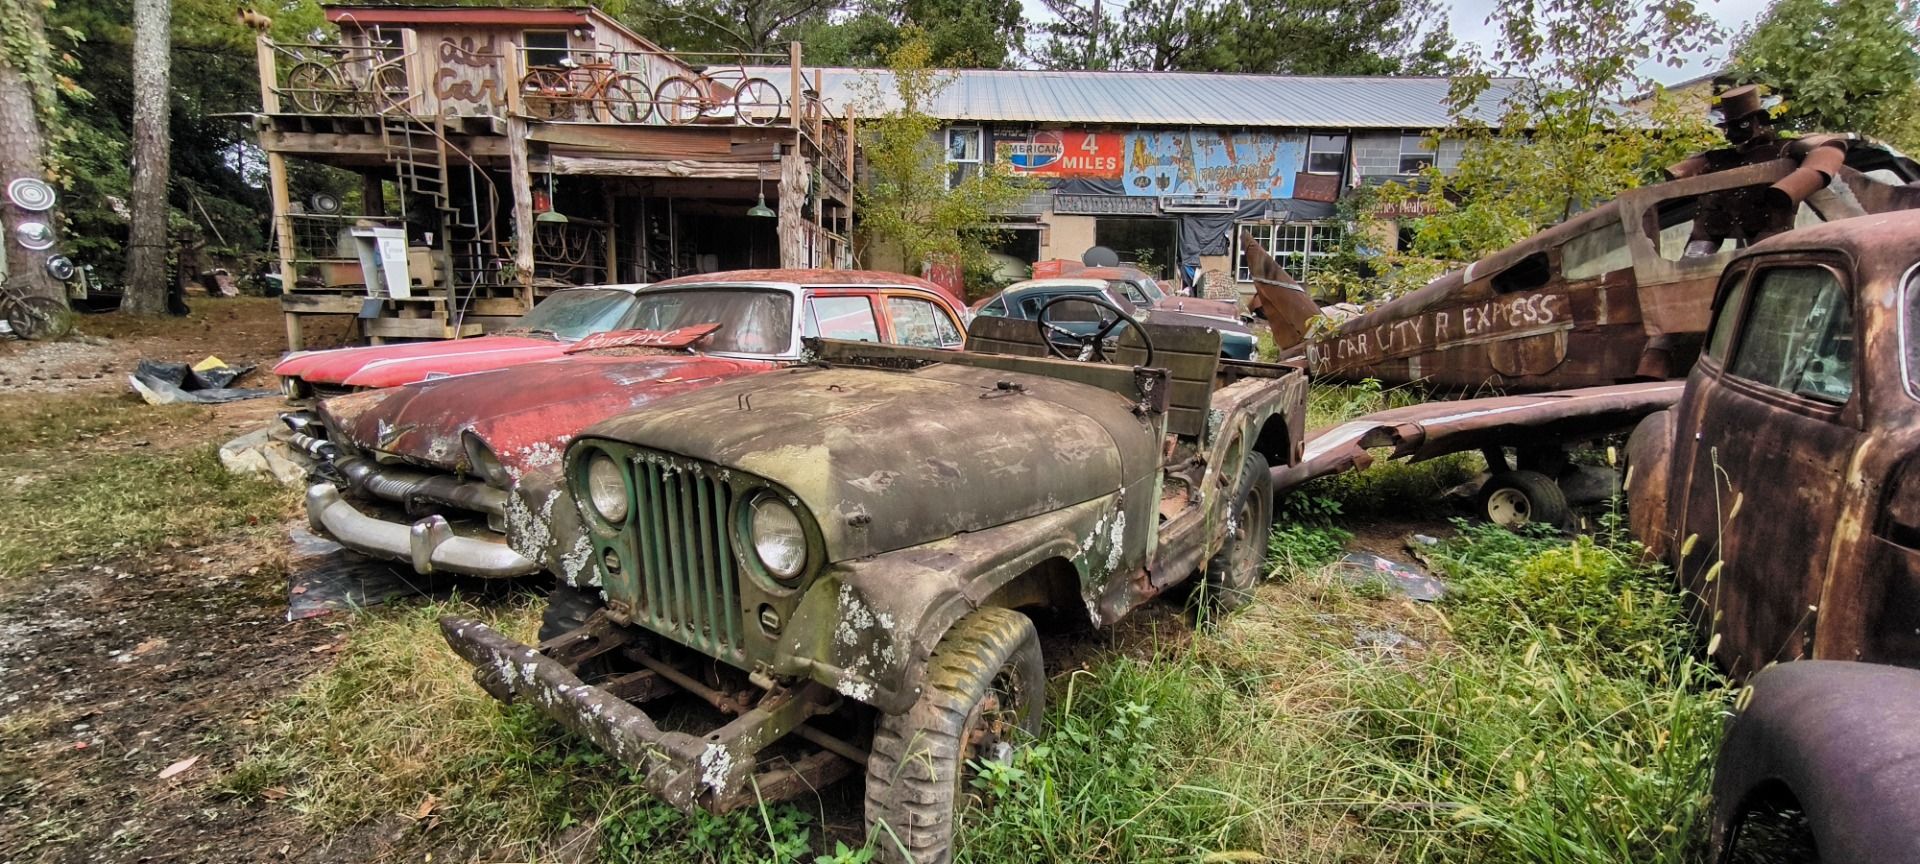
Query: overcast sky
[{"x": 1470, "y": 17}]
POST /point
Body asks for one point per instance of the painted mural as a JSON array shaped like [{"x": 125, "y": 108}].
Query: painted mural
[{"x": 1211, "y": 162}]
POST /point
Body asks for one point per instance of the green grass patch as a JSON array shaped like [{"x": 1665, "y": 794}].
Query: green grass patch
[
  {"x": 128, "y": 502},
  {"x": 400, "y": 721},
  {"x": 64, "y": 421}
]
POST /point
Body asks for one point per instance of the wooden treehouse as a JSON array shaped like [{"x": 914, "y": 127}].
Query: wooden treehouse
[{"x": 509, "y": 152}]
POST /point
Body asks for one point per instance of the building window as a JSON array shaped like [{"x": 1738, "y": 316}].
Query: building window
[
  {"x": 1300, "y": 247},
  {"x": 1326, "y": 154},
  {"x": 963, "y": 154},
  {"x": 546, "y": 47},
  {"x": 1416, "y": 154}
]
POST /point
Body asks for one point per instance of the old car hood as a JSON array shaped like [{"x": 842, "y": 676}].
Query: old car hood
[
  {"x": 885, "y": 460},
  {"x": 525, "y": 414},
  {"x": 391, "y": 365}
]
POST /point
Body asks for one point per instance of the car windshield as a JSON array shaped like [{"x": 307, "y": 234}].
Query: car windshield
[
  {"x": 752, "y": 321},
  {"x": 576, "y": 314}
]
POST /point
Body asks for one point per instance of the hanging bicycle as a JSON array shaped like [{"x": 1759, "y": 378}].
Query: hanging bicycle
[
  {"x": 559, "y": 92},
  {"x": 727, "y": 94}
]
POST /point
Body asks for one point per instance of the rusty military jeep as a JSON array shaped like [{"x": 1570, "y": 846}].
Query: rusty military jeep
[{"x": 842, "y": 565}]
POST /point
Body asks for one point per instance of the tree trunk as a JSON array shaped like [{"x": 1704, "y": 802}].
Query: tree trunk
[
  {"x": 147, "y": 252},
  {"x": 23, "y": 148}
]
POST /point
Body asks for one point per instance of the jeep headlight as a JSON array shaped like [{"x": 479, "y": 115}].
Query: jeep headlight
[
  {"x": 779, "y": 540},
  {"x": 607, "y": 488}
]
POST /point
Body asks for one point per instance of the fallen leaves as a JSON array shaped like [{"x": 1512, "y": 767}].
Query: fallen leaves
[{"x": 179, "y": 768}]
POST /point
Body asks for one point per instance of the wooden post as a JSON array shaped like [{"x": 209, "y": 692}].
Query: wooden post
[
  {"x": 373, "y": 195},
  {"x": 510, "y": 67},
  {"x": 521, "y": 183},
  {"x": 791, "y": 229},
  {"x": 613, "y": 235},
  {"x": 283, "y": 235},
  {"x": 794, "y": 83},
  {"x": 263, "y": 57}
]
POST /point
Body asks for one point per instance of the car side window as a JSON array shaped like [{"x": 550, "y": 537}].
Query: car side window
[
  {"x": 997, "y": 308},
  {"x": 1597, "y": 252},
  {"x": 1068, "y": 310},
  {"x": 849, "y": 318},
  {"x": 1728, "y": 318},
  {"x": 1798, "y": 334},
  {"x": 1130, "y": 291},
  {"x": 921, "y": 324}
]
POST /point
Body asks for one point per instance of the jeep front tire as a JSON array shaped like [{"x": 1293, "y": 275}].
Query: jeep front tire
[
  {"x": 1237, "y": 569},
  {"x": 984, "y": 693}
]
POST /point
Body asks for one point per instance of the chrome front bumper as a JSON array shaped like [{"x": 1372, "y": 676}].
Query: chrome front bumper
[{"x": 429, "y": 544}]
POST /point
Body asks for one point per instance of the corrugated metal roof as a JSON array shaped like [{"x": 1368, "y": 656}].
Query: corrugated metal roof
[{"x": 1172, "y": 98}]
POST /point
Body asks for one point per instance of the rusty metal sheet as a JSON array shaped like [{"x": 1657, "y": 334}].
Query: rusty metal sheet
[{"x": 1433, "y": 429}]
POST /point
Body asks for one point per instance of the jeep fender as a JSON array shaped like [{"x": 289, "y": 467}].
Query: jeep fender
[
  {"x": 866, "y": 627},
  {"x": 1649, "y": 468},
  {"x": 1841, "y": 738}
]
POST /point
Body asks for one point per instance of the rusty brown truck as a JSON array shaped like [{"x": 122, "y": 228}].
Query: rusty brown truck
[
  {"x": 1784, "y": 489},
  {"x": 842, "y": 565}
]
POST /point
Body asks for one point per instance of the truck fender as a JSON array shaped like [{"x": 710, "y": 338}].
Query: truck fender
[
  {"x": 1841, "y": 739},
  {"x": 1649, "y": 467},
  {"x": 866, "y": 627}
]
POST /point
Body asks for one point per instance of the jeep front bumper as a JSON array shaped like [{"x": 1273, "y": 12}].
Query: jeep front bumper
[
  {"x": 710, "y": 771},
  {"x": 430, "y": 544}
]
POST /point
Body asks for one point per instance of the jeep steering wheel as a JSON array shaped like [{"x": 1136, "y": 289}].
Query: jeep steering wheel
[{"x": 1093, "y": 346}]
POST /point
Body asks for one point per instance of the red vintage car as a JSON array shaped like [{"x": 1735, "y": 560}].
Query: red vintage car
[
  {"x": 425, "y": 472},
  {"x": 544, "y": 333}
]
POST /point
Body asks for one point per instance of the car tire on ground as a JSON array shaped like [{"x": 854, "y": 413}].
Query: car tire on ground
[
  {"x": 1514, "y": 499},
  {"x": 1238, "y": 568},
  {"x": 984, "y": 691},
  {"x": 567, "y": 609}
]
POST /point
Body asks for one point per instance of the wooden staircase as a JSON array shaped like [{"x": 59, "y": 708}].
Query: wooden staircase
[{"x": 465, "y": 204}]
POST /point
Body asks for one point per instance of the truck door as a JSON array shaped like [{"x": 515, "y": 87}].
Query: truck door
[{"x": 1771, "y": 408}]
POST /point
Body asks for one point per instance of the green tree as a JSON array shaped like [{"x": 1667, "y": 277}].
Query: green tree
[
  {"x": 907, "y": 203},
  {"x": 1541, "y": 133},
  {"x": 961, "y": 34},
  {"x": 1563, "y": 139},
  {"x": 1298, "y": 37},
  {"x": 1841, "y": 65}
]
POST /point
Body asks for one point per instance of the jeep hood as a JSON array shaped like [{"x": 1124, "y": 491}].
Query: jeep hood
[
  {"x": 391, "y": 365},
  {"x": 885, "y": 460},
  {"x": 525, "y": 414}
]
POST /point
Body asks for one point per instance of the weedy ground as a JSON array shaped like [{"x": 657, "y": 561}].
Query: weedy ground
[{"x": 1550, "y": 709}]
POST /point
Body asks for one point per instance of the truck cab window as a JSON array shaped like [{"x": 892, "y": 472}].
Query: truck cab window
[{"x": 1798, "y": 334}]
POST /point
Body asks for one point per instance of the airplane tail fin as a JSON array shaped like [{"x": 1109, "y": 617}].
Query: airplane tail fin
[{"x": 1277, "y": 298}]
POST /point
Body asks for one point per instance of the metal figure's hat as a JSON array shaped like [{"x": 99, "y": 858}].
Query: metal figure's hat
[{"x": 1739, "y": 103}]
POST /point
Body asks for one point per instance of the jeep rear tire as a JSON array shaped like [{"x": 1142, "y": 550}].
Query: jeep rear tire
[
  {"x": 984, "y": 692},
  {"x": 1237, "y": 569}
]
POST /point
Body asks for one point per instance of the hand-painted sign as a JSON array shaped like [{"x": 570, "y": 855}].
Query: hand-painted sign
[
  {"x": 1204, "y": 161},
  {"x": 1062, "y": 153},
  {"x": 1509, "y": 317}
]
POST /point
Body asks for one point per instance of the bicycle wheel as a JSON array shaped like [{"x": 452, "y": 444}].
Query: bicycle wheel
[
  {"x": 313, "y": 88},
  {"x": 387, "y": 89},
  {"x": 757, "y": 102},
  {"x": 546, "y": 95},
  {"x": 678, "y": 100},
  {"x": 625, "y": 99},
  {"x": 38, "y": 317}
]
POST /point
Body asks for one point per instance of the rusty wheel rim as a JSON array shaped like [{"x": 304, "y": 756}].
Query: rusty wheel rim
[
  {"x": 990, "y": 729},
  {"x": 1509, "y": 508},
  {"x": 1248, "y": 550}
]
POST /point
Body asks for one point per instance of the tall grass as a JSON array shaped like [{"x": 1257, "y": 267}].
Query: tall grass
[{"x": 1548, "y": 712}]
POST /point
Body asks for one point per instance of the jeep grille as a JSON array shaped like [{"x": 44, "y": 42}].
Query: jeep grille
[{"x": 682, "y": 553}]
